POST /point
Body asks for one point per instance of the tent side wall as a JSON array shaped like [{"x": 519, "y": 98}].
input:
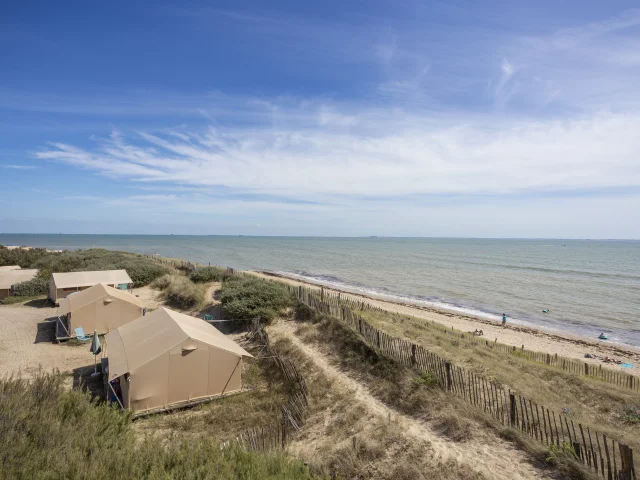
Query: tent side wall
[
  {"x": 188, "y": 372},
  {"x": 149, "y": 385}
]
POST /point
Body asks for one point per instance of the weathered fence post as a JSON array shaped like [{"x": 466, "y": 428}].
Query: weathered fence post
[
  {"x": 447, "y": 366},
  {"x": 413, "y": 354},
  {"x": 512, "y": 408},
  {"x": 586, "y": 369},
  {"x": 378, "y": 338},
  {"x": 284, "y": 429},
  {"x": 626, "y": 462},
  {"x": 576, "y": 448},
  {"x": 322, "y": 294}
]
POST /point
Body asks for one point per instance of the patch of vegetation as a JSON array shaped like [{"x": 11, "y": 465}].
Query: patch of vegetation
[
  {"x": 31, "y": 288},
  {"x": 246, "y": 298},
  {"x": 179, "y": 291},
  {"x": 632, "y": 415},
  {"x": 140, "y": 268},
  {"x": 12, "y": 299},
  {"x": 48, "y": 432},
  {"x": 208, "y": 274}
]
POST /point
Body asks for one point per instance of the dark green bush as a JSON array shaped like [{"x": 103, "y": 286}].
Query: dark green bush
[
  {"x": 246, "y": 297},
  {"x": 141, "y": 269},
  {"x": 31, "y": 288},
  {"x": 49, "y": 432},
  {"x": 208, "y": 274}
]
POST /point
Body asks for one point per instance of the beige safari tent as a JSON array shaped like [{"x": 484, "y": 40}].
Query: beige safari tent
[
  {"x": 9, "y": 267},
  {"x": 166, "y": 359},
  {"x": 9, "y": 278},
  {"x": 62, "y": 284},
  {"x": 101, "y": 308}
]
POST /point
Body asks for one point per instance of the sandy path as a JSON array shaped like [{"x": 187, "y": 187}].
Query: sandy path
[
  {"x": 565, "y": 345},
  {"x": 20, "y": 355},
  {"x": 494, "y": 459}
]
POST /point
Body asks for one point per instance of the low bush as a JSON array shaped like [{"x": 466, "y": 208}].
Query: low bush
[
  {"x": 208, "y": 274},
  {"x": 49, "y": 432},
  {"x": 179, "y": 291},
  {"x": 32, "y": 288},
  {"x": 246, "y": 298}
]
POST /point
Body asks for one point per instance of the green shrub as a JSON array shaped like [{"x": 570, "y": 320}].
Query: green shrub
[
  {"x": 180, "y": 291},
  {"x": 208, "y": 274},
  {"x": 246, "y": 297},
  {"x": 49, "y": 432},
  {"x": 31, "y": 288},
  {"x": 141, "y": 269}
]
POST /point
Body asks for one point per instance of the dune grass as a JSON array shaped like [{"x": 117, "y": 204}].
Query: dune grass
[
  {"x": 47, "y": 432},
  {"x": 179, "y": 291},
  {"x": 605, "y": 407}
]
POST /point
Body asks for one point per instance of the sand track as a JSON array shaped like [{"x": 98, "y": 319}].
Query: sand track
[{"x": 494, "y": 459}]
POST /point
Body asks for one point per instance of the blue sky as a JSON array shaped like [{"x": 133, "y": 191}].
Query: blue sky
[{"x": 417, "y": 118}]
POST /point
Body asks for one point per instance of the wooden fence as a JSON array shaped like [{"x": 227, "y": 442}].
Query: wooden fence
[
  {"x": 292, "y": 413},
  {"x": 335, "y": 301},
  {"x": 604, "y": 456}
]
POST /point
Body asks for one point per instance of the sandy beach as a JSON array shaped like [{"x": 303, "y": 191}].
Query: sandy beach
[{"x": 560, "y": 343}]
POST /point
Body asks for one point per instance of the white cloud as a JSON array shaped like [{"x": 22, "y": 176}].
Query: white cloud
[
  {"x": 17, "y": 167},
  {"x": 378, "y": 153}
]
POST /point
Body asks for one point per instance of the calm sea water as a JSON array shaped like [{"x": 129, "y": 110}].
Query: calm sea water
[{"x": 587, "y": 286}]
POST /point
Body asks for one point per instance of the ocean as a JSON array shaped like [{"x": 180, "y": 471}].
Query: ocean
[{"x": 588, "y": 286}]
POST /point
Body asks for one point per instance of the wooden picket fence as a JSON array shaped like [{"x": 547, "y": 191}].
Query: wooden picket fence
[
  {"x": 606, "y": 457},
  {"x": 292, "y": 414},
  {"x": 333, "y": 302}
]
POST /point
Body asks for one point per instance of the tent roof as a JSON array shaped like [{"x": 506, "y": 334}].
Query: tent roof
[
  {"x": 138, "y": 342},
  {"x": 10, "y": 267},
  {"x": 86, "y": 279},
  {"x": 11, "y": 277},
  {"x": 93, "y": 294}
]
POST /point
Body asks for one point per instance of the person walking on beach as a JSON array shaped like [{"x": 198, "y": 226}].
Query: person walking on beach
[{"x": 504, "y": 319}]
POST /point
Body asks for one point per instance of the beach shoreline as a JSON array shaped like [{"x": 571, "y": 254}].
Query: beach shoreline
[{"x": 563, "y": 344}]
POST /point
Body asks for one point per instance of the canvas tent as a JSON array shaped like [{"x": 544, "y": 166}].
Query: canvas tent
[
  {"x": 9, "y": 278},
  {"x": 62, "y": 284},
  {"x": 167, "y": 359},
  {"x": 9, "y": 267},
  {"x": 99, "y": 308}
]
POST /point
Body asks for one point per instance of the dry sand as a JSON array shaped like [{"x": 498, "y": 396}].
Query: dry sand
[
  {"x": 565, "y": 345},
  {"x": 27, "y": 343}
]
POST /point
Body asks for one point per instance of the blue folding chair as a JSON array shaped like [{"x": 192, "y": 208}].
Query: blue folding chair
[
  {"x": 80, "y": 335},
  {"x": 208, "y": 316}
]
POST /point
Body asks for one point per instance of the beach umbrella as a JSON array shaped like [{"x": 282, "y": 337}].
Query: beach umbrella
[{"x": 95, "y": 348}]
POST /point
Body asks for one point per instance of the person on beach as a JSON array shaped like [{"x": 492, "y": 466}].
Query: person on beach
[{"x": 504, "y": 319}]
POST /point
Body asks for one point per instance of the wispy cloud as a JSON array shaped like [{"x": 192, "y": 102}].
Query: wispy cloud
[
  {"x": 17, "y": 167},
  {"x": 377, "y": 154}
]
